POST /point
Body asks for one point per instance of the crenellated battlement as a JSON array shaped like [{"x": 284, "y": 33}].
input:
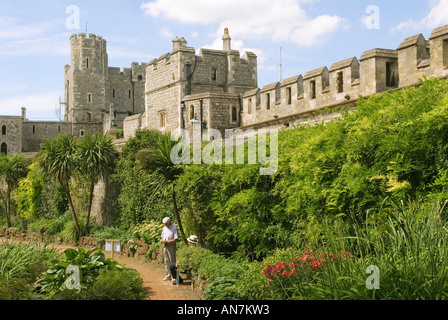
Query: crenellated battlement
[{"x": 376, "y": 71}]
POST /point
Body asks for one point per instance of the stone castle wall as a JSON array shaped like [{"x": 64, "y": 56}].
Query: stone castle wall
[{"x": 378, "y": 70}]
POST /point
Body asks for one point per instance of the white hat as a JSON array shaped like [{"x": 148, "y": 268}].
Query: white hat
[
  {"x": 193, "y": 239},
  {"x": 166, "y": 220}
]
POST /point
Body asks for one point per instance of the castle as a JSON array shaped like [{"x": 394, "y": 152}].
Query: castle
[{"x": 216, "y": 88}]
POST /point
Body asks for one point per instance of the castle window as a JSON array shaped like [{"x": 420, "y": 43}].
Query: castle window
[
  {"x": 140, "y": 78},
  {"x": 81, "y": 133},
  {"x": 113, "y": 93},
  {"x": 46, "y": 129},
  {"x": 130, "y": 94},
  {"x": 89, "y": 117},
  {"x": 87, "y": 63},
  {"x": 89, "y": 98},
  {"x": 249, "y": 106},
  {"x": 340, "y": 82},
  {"x": 162, "y": 120},
  {"x": 214, "y": 74},
  {"x": 4, "y": 148},
  {"x": 192, "y": 112},
  {"x": 391, "y": 78},
  {"x": 268, "y": 101},
  {"x": 445, "y": 53},
  {"x": 234, "y": 114},
  {"x": 289, "y": 95},
  {"x": 4, "y": 130},
  {"x": 313, "y": 89},
  {"x": 59, "y": 129},
  {"x": 34, "y": 129}
]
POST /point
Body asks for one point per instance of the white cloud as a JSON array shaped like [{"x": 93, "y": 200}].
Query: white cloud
[
  {"x": 35, "y": 103},
  {"x": 166, "y": 33},
  {"x": 21, "y": 39},
  {"x": 438, "y": 16},
  {"x": 280, "y": 20}
]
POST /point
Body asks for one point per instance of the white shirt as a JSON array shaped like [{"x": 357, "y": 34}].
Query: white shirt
[{"x": 169, "y": 234}]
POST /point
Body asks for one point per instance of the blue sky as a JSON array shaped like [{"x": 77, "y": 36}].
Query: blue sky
[{"x": 35, "y": 46}]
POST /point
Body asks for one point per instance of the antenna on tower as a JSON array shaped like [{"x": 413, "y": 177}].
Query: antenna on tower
[
  {"x": 58, "y": 109},
  {"x": 281, "y": 66}
]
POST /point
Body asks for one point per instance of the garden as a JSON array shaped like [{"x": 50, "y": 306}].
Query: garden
[{"x": 356, "y": 211}]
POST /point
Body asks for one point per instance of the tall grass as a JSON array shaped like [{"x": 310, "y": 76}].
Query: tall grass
[
  {"x": 20, "y": 265},
  {"x": 408, "y": 244}
]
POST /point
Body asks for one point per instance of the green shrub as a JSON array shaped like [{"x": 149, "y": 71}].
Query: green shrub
[
  {"x": 116, "y": 284},
  {"x": 208, "y": 266},
  {"x": 149, "y": 232},
  {"x": 90, "y": 263},
  {"x": 114, "y": 233},
  {"x": 222, "y": 289}
]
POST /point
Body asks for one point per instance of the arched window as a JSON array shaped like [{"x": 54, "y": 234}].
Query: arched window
[
  {"x": 192, "y": 112},
  {"x": 4, "y": 130},
  {"x": 4, "y": 148},
  {"x": 89, "y": 117}
]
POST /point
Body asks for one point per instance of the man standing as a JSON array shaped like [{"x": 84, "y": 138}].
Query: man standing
[{"x": 169, "y": 239}]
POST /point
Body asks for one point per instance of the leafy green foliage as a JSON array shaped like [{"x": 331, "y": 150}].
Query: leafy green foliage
[
  {"x": 90, "y": 263},
  {"x": 149, "y": 232},
  {"x": 136, "y": 203}
]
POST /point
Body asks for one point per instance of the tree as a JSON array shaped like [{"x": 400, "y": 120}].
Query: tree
[
  {"x": 59, "y": 159},
  {"x": 97, "y": 156},
  {"x": 12, "y": 169},
  {"x": 164, "y": 174}
]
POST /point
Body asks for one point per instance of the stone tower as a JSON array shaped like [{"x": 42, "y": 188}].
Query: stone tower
[{"x": 85, "y": 84}]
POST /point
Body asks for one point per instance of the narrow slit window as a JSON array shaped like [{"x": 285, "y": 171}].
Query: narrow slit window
[
  {"x": 214, "y": 74},
  {"x": 445, "y": 53},
  {"x": 113, "y": 93},
  {"x": 289, "y": 95},
  {"x": 162, "y": 120},
  {"x": 192, "y": 112},
  {"x": 87, "y": 63},
  {"x": 313, "y": 89},
  {"x": 4, "y": 130},
  {"x": 89, "y": 98},
  {"x": 340, "y": 82},
  {"x": 234, "y": 114},
  {"x": 89, "y": 117},
  {"x": 34, "y": 129},
  {"x": 268, "y": 101}
]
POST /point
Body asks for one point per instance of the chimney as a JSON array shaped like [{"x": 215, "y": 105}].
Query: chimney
[
  {"x": 23, "y": 114},
  {"x": 227, "y": 40},
  {"x": 176, "y": 43}
]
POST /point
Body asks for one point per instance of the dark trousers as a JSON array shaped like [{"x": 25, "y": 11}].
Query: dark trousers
[{"x": 173, "y": 270}]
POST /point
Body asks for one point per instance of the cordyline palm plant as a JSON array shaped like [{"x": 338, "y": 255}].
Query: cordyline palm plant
[
  {"x": 12, "y": 169},
  {"x": 59, "y": 159},
  {"x": 98, "y": 157},
  {"x": 164, "y": 173}
]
